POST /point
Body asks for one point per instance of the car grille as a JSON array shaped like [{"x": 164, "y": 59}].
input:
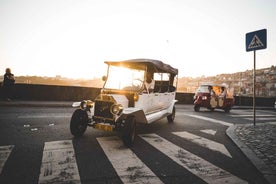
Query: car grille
[{"x": 102, "y": 109}]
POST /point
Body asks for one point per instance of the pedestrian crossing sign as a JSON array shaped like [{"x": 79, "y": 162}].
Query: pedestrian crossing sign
[{"x": 256, "y": 40}]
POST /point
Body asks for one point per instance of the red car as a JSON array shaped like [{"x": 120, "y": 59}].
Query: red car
[{"x": 213, "y": 97}]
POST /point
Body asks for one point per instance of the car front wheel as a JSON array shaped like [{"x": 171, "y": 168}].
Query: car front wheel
[
  {"x": 78, "y": 123},
  {"x": 129, "y": 132}
]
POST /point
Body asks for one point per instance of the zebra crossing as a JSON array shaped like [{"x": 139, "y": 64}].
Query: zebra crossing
[
  {"x": 59, "y": 163},
  {"x": 259, "y": 117},
  {"x": 204, "y": 142},
  {"x": 5, "y": 152},
  {"x": 127, "y": 165},
  {"x": 196, "y": 165}
]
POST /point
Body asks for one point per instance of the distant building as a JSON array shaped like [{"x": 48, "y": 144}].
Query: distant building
[{"x": 240, "y": 83}]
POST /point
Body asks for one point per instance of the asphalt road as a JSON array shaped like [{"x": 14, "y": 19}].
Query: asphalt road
[{"x": 36, "y": 146}]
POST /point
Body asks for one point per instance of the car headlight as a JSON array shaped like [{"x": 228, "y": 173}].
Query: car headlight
[
  {"x": 89, "y": 103},
  {"x": 135, "y": 97},
  {"x": 116, "y": 109},
  {"x": 83, "y": 105},
  {"x": 204, "y": 97},
  {"x": 86, "y": 104}
]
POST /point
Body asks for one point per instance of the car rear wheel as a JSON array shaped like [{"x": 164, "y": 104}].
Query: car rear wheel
[
  {"x": 78, "y": 123},
  {"x": 129, "y": 132},
  {"x": 171, "y": 117}
]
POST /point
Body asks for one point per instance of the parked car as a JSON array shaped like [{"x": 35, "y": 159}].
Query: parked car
[
  {"x": 124, "y": 101},
  {"x": 213, "y": 97}
]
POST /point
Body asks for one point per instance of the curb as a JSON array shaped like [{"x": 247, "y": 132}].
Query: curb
[{"x": 258, "y": 163}]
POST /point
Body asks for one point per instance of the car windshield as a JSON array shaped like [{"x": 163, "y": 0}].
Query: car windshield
[
  {"x": 124, "y": 78},
  {"x": 202, "y": 89},
  {"x": 216, "y": 88}
]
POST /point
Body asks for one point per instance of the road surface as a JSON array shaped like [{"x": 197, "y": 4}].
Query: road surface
[{"x": 36, "y": 146}]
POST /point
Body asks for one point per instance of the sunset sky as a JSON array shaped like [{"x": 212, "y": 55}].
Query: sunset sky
[{"x": 73, "y": 38}]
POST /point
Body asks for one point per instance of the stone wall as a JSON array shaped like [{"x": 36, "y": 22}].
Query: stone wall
[{"x": 71, "y": 93}]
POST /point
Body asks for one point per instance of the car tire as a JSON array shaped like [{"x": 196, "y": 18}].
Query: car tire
[
  {"x": 78, "y": 123},
  {"x": 129, "y": 132},
  {"x": 197, "y": 108},
  {"x": 227, "y": 109},
  {"x": 171, "y": 117}
]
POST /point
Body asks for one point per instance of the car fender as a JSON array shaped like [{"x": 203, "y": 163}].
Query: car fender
[
  {"x": 76, "y": 104},
  {"x": 89, "y": 111},
  {"x": 170, "y": 109},
  {"x": 141, "y": 117},
  {"x": 132, "y": 111}
]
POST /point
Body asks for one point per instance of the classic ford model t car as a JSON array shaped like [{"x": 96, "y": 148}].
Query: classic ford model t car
[
  {"x": 127, "y": 99},
  {"x": 212, "y": 97}
]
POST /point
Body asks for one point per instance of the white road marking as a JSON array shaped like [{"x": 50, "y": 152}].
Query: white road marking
[
  {"x": 262, "y": 119},
  {"x": 59, "y": 163},
  {"x": 204, "y": 142},
  {"x": 210, "y": 119},
  {"x": 251, "y": 115},
  {"x": 127, "y": 165},
  {"x": 5, "y": 152},
  {"x": 196, "y": 165},
  {"x": 209, "y": 131}
]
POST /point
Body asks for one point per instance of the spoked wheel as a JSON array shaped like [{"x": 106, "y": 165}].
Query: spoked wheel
[
  {"x": 129, "y": 132},
  {"x": 78, "y": 123},
  {"x": 171, "y": 117}
]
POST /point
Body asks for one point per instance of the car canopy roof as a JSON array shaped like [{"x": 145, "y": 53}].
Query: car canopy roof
[{"x": 142, "y": 64}]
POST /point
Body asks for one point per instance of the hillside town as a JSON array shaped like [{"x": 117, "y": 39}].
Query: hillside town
[{"x": 239, "y": 84}]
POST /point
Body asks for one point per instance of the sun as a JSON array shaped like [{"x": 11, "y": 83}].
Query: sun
[{"x": 122, "y": 78}]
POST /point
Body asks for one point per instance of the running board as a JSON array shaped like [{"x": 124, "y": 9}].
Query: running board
[{"x": 157, "y": 115}]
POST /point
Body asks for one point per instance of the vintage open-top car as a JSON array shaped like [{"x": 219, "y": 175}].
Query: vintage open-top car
[
  {"x": 126, "y": 100},
  {"x": 213, "y": 97}
]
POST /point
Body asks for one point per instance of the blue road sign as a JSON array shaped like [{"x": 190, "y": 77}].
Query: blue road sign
[{"x": 256, "y": 40}]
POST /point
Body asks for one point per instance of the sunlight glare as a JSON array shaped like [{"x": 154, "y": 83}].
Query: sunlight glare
[{"x": 124, "y": 78}]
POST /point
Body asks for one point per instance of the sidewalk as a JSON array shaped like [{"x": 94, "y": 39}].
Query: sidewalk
[{"x": 259, "y": 145}]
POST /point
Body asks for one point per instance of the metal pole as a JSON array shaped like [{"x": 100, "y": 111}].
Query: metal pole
[{"x": 254, "y": 90}]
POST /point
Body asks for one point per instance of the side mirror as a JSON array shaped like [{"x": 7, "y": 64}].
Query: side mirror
[{"x": 104, "y": 78}]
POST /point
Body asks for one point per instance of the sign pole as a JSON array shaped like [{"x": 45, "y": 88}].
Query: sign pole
[
  {"x": 255, "y": 40},
  {"x": 254, "y": 90}
]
